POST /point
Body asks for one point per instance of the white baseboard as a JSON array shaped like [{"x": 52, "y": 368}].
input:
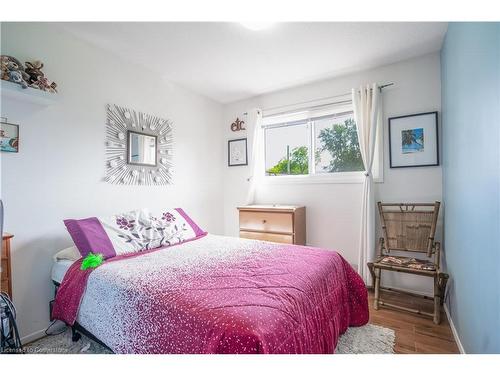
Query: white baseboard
[
  {"x": 454, "y": 330},
  {"x": 33, "y": 336}
]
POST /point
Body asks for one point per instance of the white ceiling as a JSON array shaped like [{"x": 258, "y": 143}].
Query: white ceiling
[{"x": 228, "y": 62}]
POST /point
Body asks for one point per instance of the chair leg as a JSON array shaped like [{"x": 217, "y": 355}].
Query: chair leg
[
  {"x": 372, "y": 272},
  {"x": 377, "y": 288},
  {"x": 437, "y": 301}
]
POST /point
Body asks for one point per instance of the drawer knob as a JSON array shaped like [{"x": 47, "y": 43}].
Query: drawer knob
[{"x": 264, "y": 221}]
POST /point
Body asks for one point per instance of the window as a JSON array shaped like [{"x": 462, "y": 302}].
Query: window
[
  {"x": 325, "y": 144},
  {"x": 287, "y": 149},
  {"x": 336, "y": 147}
]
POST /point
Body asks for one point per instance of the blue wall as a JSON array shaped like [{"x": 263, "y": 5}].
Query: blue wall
[{"x": 470, "y": 64}]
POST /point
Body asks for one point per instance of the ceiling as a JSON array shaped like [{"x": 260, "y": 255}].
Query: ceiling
[{"x": 228, "y": 62}]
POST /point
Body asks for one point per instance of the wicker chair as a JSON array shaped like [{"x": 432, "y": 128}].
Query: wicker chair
[{"x": 409, "y": 227}]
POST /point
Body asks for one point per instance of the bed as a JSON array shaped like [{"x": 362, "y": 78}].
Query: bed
[
  {"x": 214, "y": 294},
  {"x": 59, "y": 269}
]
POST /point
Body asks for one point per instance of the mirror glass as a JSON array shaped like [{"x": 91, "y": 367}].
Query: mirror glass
[{"x": 141, "y": 149}]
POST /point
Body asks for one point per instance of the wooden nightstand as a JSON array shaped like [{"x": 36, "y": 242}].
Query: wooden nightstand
[
  {"x": 5, "y": 271},
  {"x": 275, "y": 223}
]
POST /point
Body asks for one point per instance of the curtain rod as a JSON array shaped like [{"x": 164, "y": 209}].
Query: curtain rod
[{"x": 316, "y": 100}]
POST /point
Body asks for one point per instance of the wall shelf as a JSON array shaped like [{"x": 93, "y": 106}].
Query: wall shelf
[{"x": 13, "y": 91}]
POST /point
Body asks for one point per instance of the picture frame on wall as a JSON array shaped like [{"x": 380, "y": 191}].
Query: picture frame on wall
[
  {"x": 237, "y": 152},
  {"x": 413, "y": 140},
  {"x": 9, "y": 136}
]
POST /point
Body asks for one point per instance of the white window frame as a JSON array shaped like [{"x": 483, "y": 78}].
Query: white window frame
[{"x": 324, "y": 178}]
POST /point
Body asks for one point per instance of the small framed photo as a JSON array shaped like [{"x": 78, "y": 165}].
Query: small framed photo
[
  {"x": 413, "y": 140},
  {"x": 237, "y": 152},
  {"x": 9, "y": 137}
]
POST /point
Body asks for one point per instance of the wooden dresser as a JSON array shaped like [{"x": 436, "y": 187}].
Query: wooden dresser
[
  {"x": 275, "y": 223},
  {"x": 5, "y": 271}
]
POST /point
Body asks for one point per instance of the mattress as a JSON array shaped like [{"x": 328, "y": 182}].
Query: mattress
[{"x": 59, "y": 269}]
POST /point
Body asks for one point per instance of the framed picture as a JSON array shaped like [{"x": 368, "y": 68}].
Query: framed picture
[
  {"x": 237, "y": 152},
  {"x": 413, "y": 140},
  {"x": 9, "y": 137}
]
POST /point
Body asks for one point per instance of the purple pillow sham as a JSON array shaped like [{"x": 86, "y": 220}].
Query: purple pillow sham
[{"x": 89, "y": 236}]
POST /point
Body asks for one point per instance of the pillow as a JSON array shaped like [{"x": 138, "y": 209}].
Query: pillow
[
  {"x": 197, "y": 230},
  {"x": 89, "y": 236},
  {"x": 70, "y": 253},
  {"x": 132, "y": 231}
]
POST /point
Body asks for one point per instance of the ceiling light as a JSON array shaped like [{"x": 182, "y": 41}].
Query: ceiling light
[{"x": 256, "y": 26}]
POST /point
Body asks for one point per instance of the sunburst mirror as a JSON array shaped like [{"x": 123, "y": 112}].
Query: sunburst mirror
[{"x": 138, "y": 148}]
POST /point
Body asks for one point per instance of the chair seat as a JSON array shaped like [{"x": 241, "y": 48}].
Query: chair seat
[{"x": 406, "y": 262}]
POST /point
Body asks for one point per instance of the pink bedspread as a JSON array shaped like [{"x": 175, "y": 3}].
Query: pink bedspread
[{"x": 217, "y": 295}]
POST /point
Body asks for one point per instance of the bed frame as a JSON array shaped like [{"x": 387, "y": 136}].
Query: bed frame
[{"x": 77, "y": 330}]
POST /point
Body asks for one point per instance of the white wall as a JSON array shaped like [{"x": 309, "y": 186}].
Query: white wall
[
  {"x": 57, "y": 173},
  {"x": 333, "y": 210}
]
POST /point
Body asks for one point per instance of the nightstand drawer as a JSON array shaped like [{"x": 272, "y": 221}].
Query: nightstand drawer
[
  {"x": 276, "y": 222},
  {"x": 4, "y": 279},
  {"x": 5, "y": 268},
  {"x": 4, "y": 285},
  {"x": 6, "y": 274},
  {"x": 281, "y": 238}
]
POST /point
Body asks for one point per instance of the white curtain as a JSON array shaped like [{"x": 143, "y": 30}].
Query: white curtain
[
  {"x": 368, "y": 115},
  {"x": 254, "y": 123}
]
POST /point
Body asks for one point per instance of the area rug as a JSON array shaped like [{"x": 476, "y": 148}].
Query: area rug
[{"x": 369, "y": 339}]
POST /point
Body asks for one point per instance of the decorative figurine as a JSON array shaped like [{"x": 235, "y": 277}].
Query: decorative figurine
[
  {"x": 3, "y": 68},
  {"x": 37, "y": 77},
  {"x": 13, "y": 71},
  {"x": 34, "y": 69},
  {"x": 44, "y": 84}
]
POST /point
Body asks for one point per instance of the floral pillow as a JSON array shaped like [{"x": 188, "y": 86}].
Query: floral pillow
[{"x": 132, "y": 231}]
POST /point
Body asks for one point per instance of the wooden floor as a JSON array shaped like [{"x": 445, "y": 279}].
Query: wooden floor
[{"x": 414, "y": 333}]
